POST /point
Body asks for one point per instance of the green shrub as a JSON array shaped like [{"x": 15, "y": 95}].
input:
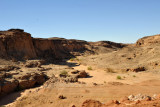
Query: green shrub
[
  {"x": 74, "y": 59},
  {"x": 119, "y": 77},
  {"x": 64, "y": 73},
  {"x": 134, "y": 76},
  {"x": 89, "y": 68}
]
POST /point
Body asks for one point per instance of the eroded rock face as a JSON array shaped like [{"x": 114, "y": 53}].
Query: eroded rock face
[
  {"x": 27, "y": 80},
  {"x": 16, "y": 43},
  {"x": 24, "y": 84},
  {"x": 57, "y": 48},
  {"x": 149, "y": 40}
]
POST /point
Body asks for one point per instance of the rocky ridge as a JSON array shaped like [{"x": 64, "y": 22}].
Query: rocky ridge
[{"x": 17, "y": 44}]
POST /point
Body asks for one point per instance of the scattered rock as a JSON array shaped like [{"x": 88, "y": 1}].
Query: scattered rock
[
  {"x": 82, "y": 74},
  {"x": 9, "y": 68},
  {"x": 95, "y": 84},
  {"x": 32, "y": 64},
  {"x": 138, "y": 69},
  {"x": 70, "y": 79},
  {"x": 61, "y": 97},
  {"x": 116, "y": 102},
  {"x": 139, "y": 97},
  {"x": 148, "y": 98}
]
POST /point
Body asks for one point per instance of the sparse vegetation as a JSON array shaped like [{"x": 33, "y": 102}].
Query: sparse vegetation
[
  {"x": 89, "y": 68},
  {"x": 110, "y": 70},
  {"x": 134, "y": 75},
  {"x": 119, "y": 77},
  {"x": 74, "y": 59},
  {"x": 64, "y": 73},
  {"x": 105, "y": 82}
]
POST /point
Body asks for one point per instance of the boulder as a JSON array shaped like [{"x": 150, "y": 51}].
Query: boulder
[
  {"x": 39, "y": 78},
  {"x": 82, "y": 74},
  {"x": 8, "y": 86},
  {"x": 30, "y": 80},
  {"x": 61, "y": 97},
  {"x": 24, "y": 84}
]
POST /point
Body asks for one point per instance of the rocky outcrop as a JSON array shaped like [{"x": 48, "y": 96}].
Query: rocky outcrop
[
  {"x": 17, "y": 44},
  {"x": 137, "y": 69},
  {"x": 19, "y": 82},
  {"x": 30, "y": 80},
  {"x": 8, "y": 86},
  {"x": 149, "y": 40}
]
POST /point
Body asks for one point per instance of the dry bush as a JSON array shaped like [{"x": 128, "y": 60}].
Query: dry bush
[{"x": 110, "y": 70}]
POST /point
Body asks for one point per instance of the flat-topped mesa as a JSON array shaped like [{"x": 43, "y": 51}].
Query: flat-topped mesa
[{"x": 148, "y": 40}]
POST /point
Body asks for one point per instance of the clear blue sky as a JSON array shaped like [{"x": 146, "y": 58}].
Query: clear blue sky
[{"x": 91, "y": 20}]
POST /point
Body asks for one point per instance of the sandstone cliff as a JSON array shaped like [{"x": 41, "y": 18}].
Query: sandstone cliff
[{"x": 15, "y": 43}]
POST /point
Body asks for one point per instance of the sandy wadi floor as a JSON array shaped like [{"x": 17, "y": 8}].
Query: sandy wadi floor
[{"x": 100, "y": 85}]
